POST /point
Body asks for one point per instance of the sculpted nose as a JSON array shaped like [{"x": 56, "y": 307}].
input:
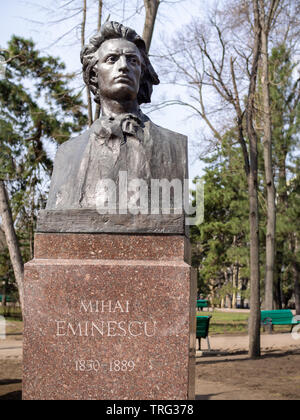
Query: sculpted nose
[{"x": 123, "y": 65}]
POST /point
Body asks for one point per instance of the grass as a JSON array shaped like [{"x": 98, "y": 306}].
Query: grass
[
  {"x": 234, "y": 323},
  {"x": 227, "y": 323},
  {"x": 11, "y": 313}
]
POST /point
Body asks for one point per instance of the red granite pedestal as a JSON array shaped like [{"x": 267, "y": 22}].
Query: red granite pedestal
[{"x": 109, "y": 317}]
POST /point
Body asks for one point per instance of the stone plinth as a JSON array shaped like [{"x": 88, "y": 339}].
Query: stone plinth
[{"x": 109, "y": 317}]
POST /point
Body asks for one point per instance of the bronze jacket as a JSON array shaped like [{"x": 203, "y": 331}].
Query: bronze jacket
[{"x": 144, "y": 150}]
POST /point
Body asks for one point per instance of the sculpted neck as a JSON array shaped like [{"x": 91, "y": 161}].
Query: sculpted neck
[{"x": 111, "y": 107}]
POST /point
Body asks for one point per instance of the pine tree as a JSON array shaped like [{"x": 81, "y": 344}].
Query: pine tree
[
  {"x": 38, "y": 107},
  {"x": 220, "y": 244}
]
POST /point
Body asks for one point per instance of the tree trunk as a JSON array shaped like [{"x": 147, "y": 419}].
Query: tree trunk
[
  {"x": 235, "y": 285},
  {"x": 151, "y": 7},
  {"x": 212, "y": 295},
  {"x": 268, "y": 164},
  {"x": 254, "y": 319},
  {"x": 222, "y": 303},
  {"x": 11, "y": 240},
  {"x": 4, "y": 298},
  {"x": 88, "y": 92},
  {"x": 234, "y": 300},
  {"x": 296, "y": 273},
  {"x": 297, "y": 288},
  {"x": 100, "y": 8},
  {"x": 278, "y": 281},
  {"x": 282, "y": 207}
]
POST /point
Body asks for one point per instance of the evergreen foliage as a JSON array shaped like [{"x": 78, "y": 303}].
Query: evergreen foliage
[{"x": 38, "y": 107}]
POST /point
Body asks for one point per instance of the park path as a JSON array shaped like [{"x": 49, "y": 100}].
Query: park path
[
  {"x": 10, "y": 349},
  {"x": 225, "y": 343}
]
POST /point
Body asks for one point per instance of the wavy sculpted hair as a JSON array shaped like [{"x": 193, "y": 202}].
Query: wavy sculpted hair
[{"x": 89, "y": 60}]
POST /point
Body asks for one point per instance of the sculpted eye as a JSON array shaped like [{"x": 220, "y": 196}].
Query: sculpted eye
[
  {"x": 133, "y": 60},
  {"x": 111, "y": 58}
]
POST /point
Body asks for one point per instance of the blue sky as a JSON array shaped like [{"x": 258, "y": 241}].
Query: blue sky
[{"x": 30, "y": 19}]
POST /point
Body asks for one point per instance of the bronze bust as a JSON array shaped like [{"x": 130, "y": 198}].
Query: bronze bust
[{"x": 119, "y": 74}]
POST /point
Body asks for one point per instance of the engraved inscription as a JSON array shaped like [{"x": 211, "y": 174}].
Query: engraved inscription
[
  {"x": 101, "y": 306},
  {"x": 108, "y": 328},
  {"x": 112, "y": 366}
]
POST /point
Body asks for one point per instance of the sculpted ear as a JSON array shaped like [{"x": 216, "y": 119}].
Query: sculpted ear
[{"x": 94, "y": 80}]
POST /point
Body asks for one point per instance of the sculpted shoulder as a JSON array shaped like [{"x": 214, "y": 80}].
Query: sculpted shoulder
[
  {"x": 64, "y": 181},
  {"x": 169, "y": 153},
  {"x": 167, "y": 133},
  {"x": 70, "y": 146}
]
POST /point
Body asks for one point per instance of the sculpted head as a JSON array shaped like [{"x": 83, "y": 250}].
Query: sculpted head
[{"x": 116, "y": 65}]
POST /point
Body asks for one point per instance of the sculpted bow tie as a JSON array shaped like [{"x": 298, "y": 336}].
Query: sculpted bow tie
[{"x": 119, "y": 127}]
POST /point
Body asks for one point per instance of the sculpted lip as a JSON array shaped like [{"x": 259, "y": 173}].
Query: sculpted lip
[{"x": 123, "y": 79}]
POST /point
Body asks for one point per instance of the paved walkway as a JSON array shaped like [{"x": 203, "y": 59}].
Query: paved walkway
[
  {"x": 10, "y": 349},
  {"x": 225, "y": 343}
]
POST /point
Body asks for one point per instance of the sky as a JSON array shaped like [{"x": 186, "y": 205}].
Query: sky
[{"x": 32, "y": 19}]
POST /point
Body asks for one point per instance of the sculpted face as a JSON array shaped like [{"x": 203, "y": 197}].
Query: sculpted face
[{"x": 119, "y": 70}]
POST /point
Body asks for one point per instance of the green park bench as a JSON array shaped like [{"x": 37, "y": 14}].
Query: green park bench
[
  {"x": 278, "y": 317},
  {"x": 202, "y": 329},
  {"x": 8, "y": 299},
  {"x": 202, "y": 303}
]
